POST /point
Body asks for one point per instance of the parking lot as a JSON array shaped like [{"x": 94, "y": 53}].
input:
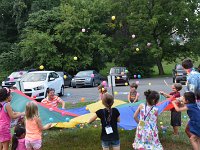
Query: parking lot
[{"x": 121, "y": 92}]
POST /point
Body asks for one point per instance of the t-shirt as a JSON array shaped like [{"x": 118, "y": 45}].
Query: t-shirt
[
  {"x": 193, "y": 83},
  {"x": 194, "y": 115},
  {"x": 32, "y": 130},
  {"x": 175, "y": 94},
  {"x": 133, "y": 96},
  {"x": 103, "y": 115},
  {"x": 53, "y": 102},
  {"x": 21, "y": 144}
]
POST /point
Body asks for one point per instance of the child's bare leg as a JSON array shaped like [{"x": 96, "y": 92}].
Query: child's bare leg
[
  {"x": 1, "y": 146},
  {"x": 5, "y": 145},
  {"x": 116, "y": 148},
  {"x": 194, "y": 142},
  {"x": 175, "y": 130},
  {"x": 187, "y": 131}
]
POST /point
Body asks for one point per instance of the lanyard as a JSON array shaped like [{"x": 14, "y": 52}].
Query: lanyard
[
  {"x": 104, "y": 112},
  {"x": 145, "y": 116}
]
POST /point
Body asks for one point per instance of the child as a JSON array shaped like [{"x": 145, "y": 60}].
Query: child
[
  {"x": 18, "y": 140},
  {"x": 147, "y": 132},
  {"x": 33, "y": 138},
  {"x": 109, "y": 118},
  {"x": 175, "y": 116},
  {"x": 194, "y": 114},
  {"x": 133, "y": 94},
  {"x": 6, "y": 114},
  {"x": 102, "y": 90}
]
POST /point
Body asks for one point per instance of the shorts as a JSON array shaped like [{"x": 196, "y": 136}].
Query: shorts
[
  {"x": 35, "y": 144},
  {"x": 5, "y": 137},
  {"x": 108, "y": 144},
  {"x": 175, "y": 118}
]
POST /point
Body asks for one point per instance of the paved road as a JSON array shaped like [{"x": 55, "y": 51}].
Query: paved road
[{"x": 91, "y": 94}]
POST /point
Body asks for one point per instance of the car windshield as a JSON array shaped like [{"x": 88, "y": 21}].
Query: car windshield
[
  {"x": 84, "y": 73},
  {"x": 17, "y": 75},
  {"x": 179, "y": 67},
  {"x": 117, "y": 70},
  {"x": 34, "y": 77},
  {"x": 60, "y": 73}
]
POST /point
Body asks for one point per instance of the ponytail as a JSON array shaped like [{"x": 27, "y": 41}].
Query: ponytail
[
  {"x": 109, "y": 114},
  {"x": 18, "y": 132},
  {"x": 14, "y": 142}
]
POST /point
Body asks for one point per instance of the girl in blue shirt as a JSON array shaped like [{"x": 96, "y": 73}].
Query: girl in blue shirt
[{"x": 193, "y": 112}]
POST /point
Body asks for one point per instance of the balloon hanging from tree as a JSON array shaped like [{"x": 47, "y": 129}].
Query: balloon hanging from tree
[{"x": 41, "y": 67}]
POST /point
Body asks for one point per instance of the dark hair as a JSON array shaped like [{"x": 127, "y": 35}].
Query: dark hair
[
  {"x": 18, "y": 132},
  {"x": 4, "y": 94},
  {"x": 108, "y": 101},
  {"x": 152, "y": 97},
  {"x": 134, "y": 85},
  {"x": 187, "y": 63},
  {"x": 49, "y": 90},
  {"x": 190, "y": 97},
  {"x": 102, "y": 88},
  {"x": 178, "y": 86}
]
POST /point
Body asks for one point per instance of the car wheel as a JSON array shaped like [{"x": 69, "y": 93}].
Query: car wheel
[{"x": 61, "y": 91}]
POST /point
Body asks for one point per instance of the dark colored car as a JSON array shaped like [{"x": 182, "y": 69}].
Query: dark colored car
[
  {"x": 86, "y": 78},
  {"x": 12, "y": 78},
  {"x": 121, "y": 75},
  {"x": 66, "y": 77},
  {"x": 179, "y": 74}
]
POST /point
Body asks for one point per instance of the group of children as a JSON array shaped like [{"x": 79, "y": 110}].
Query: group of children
[
  {"x": 147, "y": 131},
  {"x": 28, "y": 135}
]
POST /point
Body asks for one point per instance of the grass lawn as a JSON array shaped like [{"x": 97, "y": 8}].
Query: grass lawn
[{"x": 88, "y": 137}]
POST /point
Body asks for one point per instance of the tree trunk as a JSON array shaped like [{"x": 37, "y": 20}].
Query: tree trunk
[{"x": 160, "y": 67}]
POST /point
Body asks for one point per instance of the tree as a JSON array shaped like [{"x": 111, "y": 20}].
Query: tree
[
  {"x": 154, "y": 24},
  {"x": 75, "y": 28}
]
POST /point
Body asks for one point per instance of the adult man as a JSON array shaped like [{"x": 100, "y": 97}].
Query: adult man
[
  {"x": 193, "y": 78},
  {"x": 53, "y": 100}
]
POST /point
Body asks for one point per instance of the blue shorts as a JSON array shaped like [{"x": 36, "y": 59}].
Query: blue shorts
[{"x": 108, "y": 144}]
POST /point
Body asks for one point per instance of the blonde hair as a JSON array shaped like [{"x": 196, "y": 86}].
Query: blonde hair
[{"x": 31, "y": 110}]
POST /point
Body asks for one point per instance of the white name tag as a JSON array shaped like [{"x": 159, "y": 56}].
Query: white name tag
[
  {"x": 109, "y": 130},
  {"x": 191, "y": 87}
]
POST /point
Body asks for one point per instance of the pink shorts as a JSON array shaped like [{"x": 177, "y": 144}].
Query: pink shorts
[
  {"x": 35, "y": 144},
  {"x": 5, "y": 137}
]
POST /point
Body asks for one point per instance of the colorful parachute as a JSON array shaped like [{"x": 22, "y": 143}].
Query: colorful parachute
[{"x": 71, "y": 117}]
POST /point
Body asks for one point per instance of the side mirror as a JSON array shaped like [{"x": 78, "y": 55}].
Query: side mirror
[{"x": 51, "y": 79}]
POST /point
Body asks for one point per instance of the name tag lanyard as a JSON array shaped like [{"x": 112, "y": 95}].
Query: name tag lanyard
[
  {"x": 145, "y": 116},
  {"x": 107, "y": 123}
]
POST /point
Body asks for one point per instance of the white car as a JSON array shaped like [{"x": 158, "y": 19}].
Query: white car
[{"x": 35, "y": 84}]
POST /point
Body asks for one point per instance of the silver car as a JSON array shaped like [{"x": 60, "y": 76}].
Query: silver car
[{"x": 86, "y": 78}]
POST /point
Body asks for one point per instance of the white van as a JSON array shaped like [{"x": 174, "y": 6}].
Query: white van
[{"x": 35, "y": 84}]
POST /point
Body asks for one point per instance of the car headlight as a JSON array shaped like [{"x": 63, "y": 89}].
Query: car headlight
[
  {"x": 73, "y": 79},
  {"x": 123, "y": 76},
  {"x": 39, "y": 88},
  {"x": 88, "y": 79}
]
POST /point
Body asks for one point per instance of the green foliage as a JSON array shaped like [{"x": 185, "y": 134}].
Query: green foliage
[
  {"x": 49, "y": 32},
  {"x": 55, "y": 37}
]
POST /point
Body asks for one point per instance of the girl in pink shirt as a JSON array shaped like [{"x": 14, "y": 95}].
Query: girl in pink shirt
[
  {"x": 6, "y": 114},
  {"x": 18, "y": 140},
  {"x": 33, "y": 138}
]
